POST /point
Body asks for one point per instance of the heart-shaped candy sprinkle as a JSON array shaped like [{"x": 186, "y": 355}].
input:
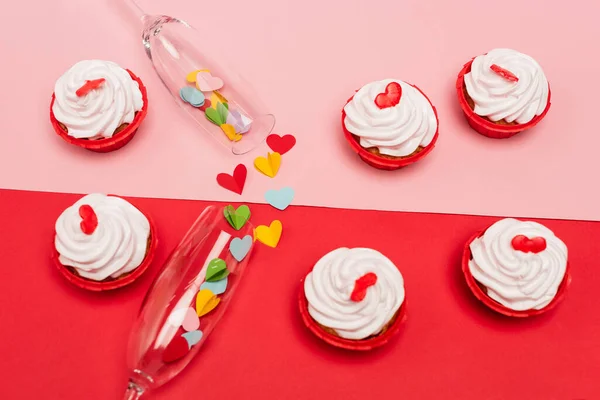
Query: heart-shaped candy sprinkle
[
  {"x": 361, "y": 285},
  {"x": 391, "y": 96},
  {"x": 206, "y": 301},
  {"x": 237, "y": 218},
  {"x": 506, "y": 74},
  {"x": 192, "y": 95},
  {"x": 239, "y": 248},
  {"x": 89, "y": 86},
  {"x": 527, "y": 245},
  {"x": 217, "y": 270},
  {"x": 89, "y": 219}
]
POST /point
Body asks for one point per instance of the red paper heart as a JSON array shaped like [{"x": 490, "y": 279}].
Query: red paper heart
[
  {"x": 361, "y": 285},
  {"x": 281, "y": 144},
  {"x": 236, "y": 182},
  {"x": 526, "y": 245},
  {"x": 89, "y": 219},
  {"x": 391, "y": 96},
  {"x": 506, "y": 74},
  {"x": 204, "y": 106},
  {"x": 176, "y": 349},
  {"x": 89, "y": 86}
]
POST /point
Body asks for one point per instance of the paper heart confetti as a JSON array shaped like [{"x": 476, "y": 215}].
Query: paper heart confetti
[
  {"x": 361, "y": 285},
  {"x": 240, "y": 122},
  {"x": 192, "y": 96},
  {"x": 217, "y": 270},
  {"x": 527, "y": 245},
  {"x": 280, "y": 199},
  {"x": 193, "y": 337},
  {"x": 237, "y": 218},
  {"x": 89, "y": 219},
  {"x": 229, "y": 131},
  {"x": 281, "y": 144},
  {"x": 191, "y": 77},
  {"x": 270, "y": 165},
  {"x": 204, "y": 106},
  {"x": 506, "y": 74},
  {"x": 217, "y": 115},
  {"x": 235, "y": 182},
  {"x": 190, "y": 321},
  {"x": 208, "y": 83},
  {"x": 177, "y": 349},
  {"x": 206, "y": 301},
  {"x": 391, "y": 96},
  {"x": 240, "y": 248},
  {"x": 216, "y": 98},
  {"x": 88, "y": 86},
  {"x": 217, "y": 287},
  {"x": 269, "y": 235}
]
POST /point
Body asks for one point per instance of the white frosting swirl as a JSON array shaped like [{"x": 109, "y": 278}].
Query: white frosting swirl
[
  {"x": 498, "y": 98},
  {"x": 518, "y": 280},
  {"x": 100, "y": 112},
  {"x": 329, "y": 286},
  {"x": 117, "y": 246},
  {"x": 396, "y": 131}
]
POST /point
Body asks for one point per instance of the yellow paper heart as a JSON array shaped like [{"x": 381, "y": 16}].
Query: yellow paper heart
[
  {"x": 191, "y": 77},
  {"x": 230, "y": 132},
  {"x": 206, "y": 301},
  {"x": 270, "y": 165},
  {"x": 269, "y": 235},
  {"x": 215, "y": 98}
]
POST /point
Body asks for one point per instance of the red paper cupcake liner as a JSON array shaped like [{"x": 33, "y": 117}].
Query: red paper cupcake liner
[
  {"x": 484, "y": 126},
  {"x": 100, "y": 286},
  {"x": 386, "y": 163},
  {"x": 493, "y": 304},
  {"x": 108, "y": 144},
  {"x": 348, "y": 344}
]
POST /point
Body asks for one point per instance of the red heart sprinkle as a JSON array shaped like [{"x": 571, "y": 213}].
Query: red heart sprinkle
[
  {"x": 89, "y": 219},
  {"x": 506, "y": 74},
  {"x": 281, "y": 144},
  {"x": 89, "y": 86},
  {"x": 176, "y": 349},
  {"x": 236, "y": 182},
  {"x": 526, "y": 245},
  {"x": 391, "y": 96},
  {"x": 204, "y": 106},
  {"x": 361, "y": 285}
]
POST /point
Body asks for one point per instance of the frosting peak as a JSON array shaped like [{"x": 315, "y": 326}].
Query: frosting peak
[
  {"x": 521, "y": 263},
  {"x": 93, "y": 98},
  {"x": 116, "y": 245},
  {"x": 507, "y": 85},
  {"x": 330, "y": 291},
  {"x": 395, "y": 121}
]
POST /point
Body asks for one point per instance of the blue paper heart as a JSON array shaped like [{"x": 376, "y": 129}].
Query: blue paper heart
[
  {"x": 280, "y": 199},
  {"x": 217, "y": 287},
  {"x": 239, "y": 248},
  {"x": 192, "y": 337},
  {"x": 192, "y": 95}
]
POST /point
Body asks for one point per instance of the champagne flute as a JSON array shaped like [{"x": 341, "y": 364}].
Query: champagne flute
[
  {"x": 158, "y": 324},
  {"x": 190, "y": 74}
]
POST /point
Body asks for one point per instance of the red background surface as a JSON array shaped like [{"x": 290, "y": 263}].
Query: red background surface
[{"x": 60, "y": 342}]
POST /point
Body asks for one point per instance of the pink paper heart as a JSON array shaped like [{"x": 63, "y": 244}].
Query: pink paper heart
[
  {"x": 208, "y": 83},
  {"x": 191, "y": 321}
]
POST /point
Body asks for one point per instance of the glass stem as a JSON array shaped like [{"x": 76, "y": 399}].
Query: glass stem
[
  {"x": 136, "y": 10},
  {"x": 133, "y": 391}
]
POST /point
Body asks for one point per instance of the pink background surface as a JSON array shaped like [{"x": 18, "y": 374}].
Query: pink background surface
[{"x": 306, "y": 58}]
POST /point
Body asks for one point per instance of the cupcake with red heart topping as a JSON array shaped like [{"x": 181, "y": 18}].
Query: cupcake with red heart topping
[
  {"x": 390, "y": 124},
  {"x": 503, "y": 92},
  {"x": 353, "y": 299},
  {"x": 517, "y": 268},
  {"x": 103, "y": 242},
  {"x": 98, "y": 105}
]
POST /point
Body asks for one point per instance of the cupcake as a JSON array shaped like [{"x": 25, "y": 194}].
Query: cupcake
[
  {"x": 503, "y": 93},
  {"x": 98, "y": 105},
  {"x": 517, "y": 268},
  {"x": 353, "y": 298},
  {"x": 390, "y": 124},
  {"x": 103, "y": 242}
]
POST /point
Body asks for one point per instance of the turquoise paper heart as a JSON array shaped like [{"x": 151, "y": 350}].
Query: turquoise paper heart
[
  {"x": 192, "y": 95},
  {"x": 280, "y": 199},
  {"x": 239, "y": 248}
]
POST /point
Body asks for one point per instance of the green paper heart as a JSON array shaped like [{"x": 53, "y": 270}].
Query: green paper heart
[
  {"x": 223, "y": 111},
  {"x": 214, "y": 116},
  {"x": 237, "y": 218},
  {"x": 217, "y": 270}
]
